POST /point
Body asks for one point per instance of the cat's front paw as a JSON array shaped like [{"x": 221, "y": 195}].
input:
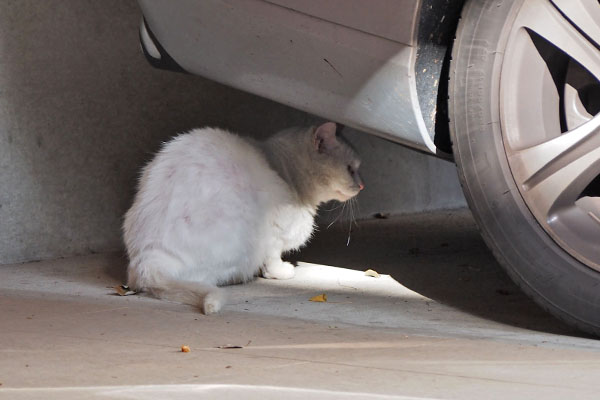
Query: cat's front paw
[{"x": 278, "y": 270}]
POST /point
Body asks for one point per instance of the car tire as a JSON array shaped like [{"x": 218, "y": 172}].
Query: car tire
[{"x": 541, "y": 264}]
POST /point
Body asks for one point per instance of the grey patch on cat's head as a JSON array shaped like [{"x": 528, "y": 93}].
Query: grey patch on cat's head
[
  {"x": 335, "y": 164},
  {"x": 317, "y": 163}
]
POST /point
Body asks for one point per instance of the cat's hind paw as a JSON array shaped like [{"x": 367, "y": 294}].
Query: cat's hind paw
[
  {"x": 212, "y": 302},
  {"x": 278, "y": 270}
]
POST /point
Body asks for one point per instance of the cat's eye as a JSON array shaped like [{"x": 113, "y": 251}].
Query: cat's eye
[{"x": 350, "y": 170}]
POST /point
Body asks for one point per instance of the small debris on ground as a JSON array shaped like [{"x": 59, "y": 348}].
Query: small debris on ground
[
  {"x": 229, "y": 346},
  {"x": 321, "y": 298},
  {"x": 185, "y": 349},
  {"x": 124, "y": 290},
  {"x": 381, "y": 215},
  {"x": 372, "y": 273}
]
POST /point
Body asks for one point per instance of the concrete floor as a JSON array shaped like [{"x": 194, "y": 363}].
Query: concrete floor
[{"x": 443, "y": 322}]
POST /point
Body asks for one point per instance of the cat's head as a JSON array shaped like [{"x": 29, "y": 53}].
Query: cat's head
[{"x": 335, "y": 165}]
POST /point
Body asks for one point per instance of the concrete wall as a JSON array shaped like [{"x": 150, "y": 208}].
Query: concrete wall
[{"x": 81, "y": 111}]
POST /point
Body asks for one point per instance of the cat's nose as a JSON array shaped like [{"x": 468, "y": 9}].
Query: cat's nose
[{"x": 361, "y": 186}]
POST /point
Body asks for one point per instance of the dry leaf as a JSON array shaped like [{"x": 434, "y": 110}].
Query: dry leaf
[
  {"x": 322, "y": 298},
  {"x": 372, "y": 273},
  {"x": 124, "y": 290},
  {"x": 185, "y": 349}
]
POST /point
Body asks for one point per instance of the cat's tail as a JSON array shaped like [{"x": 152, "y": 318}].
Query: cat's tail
[
  {"x": 209, "y": 299},
  {"x": 156, "y": 272}
]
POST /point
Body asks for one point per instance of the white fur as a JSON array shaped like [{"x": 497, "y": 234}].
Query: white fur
[{"x": 210, "y": 210}]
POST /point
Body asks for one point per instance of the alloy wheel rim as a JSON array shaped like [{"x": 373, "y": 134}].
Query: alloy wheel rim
[{"x": 550, "y": 116}]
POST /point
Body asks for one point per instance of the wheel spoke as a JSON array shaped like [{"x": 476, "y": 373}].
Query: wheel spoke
[
  {"x": 585, "y": 216},
  {"x": 585, "y": 14},
  {"x": 541, "y": 17},
  {"x": 553, "y": 174},
  {"x": 561, "y": 189},
  {"x": 575, "y": 112}
]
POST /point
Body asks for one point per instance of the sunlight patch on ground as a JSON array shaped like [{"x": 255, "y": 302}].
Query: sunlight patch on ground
[
  {"x": 184, "y": 392},
  {"x": 325, "y": 277}
]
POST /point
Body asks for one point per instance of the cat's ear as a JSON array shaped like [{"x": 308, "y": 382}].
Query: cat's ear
[{"x": 324, "y": 137}]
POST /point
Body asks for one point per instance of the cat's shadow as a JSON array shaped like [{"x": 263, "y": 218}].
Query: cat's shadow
[{"x": 440, "y": 256}]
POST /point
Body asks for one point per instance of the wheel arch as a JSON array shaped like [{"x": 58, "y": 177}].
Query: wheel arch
[{"x": 435, "y": 32}]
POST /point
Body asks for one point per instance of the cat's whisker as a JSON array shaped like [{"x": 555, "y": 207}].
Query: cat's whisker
[
  {"x": 349, "y": 213},
  {"x": 349, "y": 234},
  {"x": 339, "y": 215},
  {"x": 334, "y": 208},
  {"x": 357, "y": 210},
  {"x": 352, "y": 219},
  {"x": 354, "y": 209}
]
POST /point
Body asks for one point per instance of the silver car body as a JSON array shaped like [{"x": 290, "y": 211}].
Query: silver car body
[{"x": 337, "y": 59}]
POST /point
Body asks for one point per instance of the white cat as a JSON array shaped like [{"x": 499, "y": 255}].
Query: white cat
[{"x": 214, "y": 208}]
